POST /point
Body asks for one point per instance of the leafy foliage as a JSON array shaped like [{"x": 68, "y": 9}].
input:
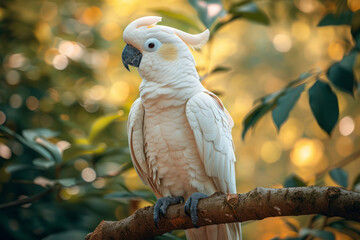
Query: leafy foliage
[{"x": 341, "y": 75}]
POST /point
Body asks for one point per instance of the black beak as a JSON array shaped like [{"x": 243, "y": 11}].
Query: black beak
[{"x": 131, "y": 56}]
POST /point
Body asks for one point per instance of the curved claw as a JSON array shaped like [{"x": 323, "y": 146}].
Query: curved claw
[
  {"x": 191, "y": 206},
  {"x": 161, "y": 207}
]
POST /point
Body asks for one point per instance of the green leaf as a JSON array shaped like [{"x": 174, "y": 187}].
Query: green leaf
[
  {"x": 70, "y": 234},
  {"x": 270, "y": 97},
  {"x": 317, "y": 233},
  {"x": 179, "y": 17},
  {"x": 340, "y": 176},
  {"x": 39, "y": 136},
  {"x": 32, "y": 134},
  {"x": 52, "y": 148},
  {"x": 220, "y": 69},
  {"x": 67, "y": 182},
  {"x": 21, "y": 167},
  {"x": 40, "y": 162},
  {"x": 341, "y": 74},
  {"x": 250, "y": 11},
  {"x": 294, "y": 181},
  {"x": 285, "y": 103},
  {"x": 208, "y": 10},
  {"x": 28, "y": 142},
  {"x": 100, "y": 124},
  {"x": 343, "y": 18},
  {"x": 324, "y": 105},
  {"x": 290, "y": 225},
  {"x": 255, "y": 115}
]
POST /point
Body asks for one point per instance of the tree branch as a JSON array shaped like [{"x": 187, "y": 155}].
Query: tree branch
[{"x": 219, "y": 208}]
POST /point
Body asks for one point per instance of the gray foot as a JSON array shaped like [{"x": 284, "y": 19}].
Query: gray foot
[
  {"x": 161, "y": 206},
  {"x": 191, "y": 206}
]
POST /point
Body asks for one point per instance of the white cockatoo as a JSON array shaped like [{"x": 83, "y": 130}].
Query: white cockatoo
[{"x": 179, "y": 132}]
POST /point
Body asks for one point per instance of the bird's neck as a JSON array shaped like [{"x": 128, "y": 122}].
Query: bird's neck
[{"x": 174, "y": 92}]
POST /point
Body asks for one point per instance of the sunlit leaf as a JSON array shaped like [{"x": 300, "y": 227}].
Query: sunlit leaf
[
  {"x": 208, "y": 10},
  {"x": 322, "y": 234},
  {"x": 341, "y": 74},
  {"x": 324, "y": 105},
  {"x": 340, "y": 176},
  {"x": 343, "y": 18},
  {"x": 179, "y": 17},
  {"x": 70, "y": 234},
  {"x": 285, "y": 104},
  {"x": 255, "y": 115},
  {"x": 100, "y": 124},
  {"x": 294, "y": 181}
]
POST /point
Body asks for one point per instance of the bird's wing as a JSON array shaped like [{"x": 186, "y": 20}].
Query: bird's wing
[
  {"x": 212, "y": 124},
  {"x": 136, "y": 139},
  {"x": 135, "y": 127}
]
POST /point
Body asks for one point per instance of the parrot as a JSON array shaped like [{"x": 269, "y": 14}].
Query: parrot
[{"x": 179, "y": 133}]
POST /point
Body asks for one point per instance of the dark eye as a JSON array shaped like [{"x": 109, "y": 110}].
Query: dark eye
[{"x": 152, "y": 44}]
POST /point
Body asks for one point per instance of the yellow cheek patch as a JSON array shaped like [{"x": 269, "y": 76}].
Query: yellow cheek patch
[{"x": 168, "y": 52}]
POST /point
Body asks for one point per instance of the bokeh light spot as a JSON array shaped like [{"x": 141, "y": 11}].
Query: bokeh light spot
[
  {"x": 307, "y": 152},
  {"x": 271, "y": 151},
  {"x": 60, "y": 62},
  {"x": 12, "y": 77},
  {"x": 16, "y": 60},
  {"x": 80, "y": 164},
  {"x": 99, "y": 183},
  {"x": 2, "y": 118},
  {"x": 5, "y": 151},
  {"x": 15, "y": 101},
  {"x": 346, "y": 126},
  {"x": 91, "y": 15},
  {"x": 120, "y": 91},
  {"x": 32, "y": 103},
  {"x": 282, "y": 42},
  {"x": 88, "y": 174}
]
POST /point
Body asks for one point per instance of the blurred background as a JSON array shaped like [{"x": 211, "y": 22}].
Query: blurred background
[{"x": 65, "y": 97}]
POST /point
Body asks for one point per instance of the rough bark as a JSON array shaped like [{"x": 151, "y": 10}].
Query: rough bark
[{"x": 219, "y": 208}]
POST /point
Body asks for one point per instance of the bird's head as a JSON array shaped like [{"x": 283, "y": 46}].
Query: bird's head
[{"x": 156, "y": 48}]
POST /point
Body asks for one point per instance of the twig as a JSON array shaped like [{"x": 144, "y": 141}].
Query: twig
[{"x": 31, "y": 199}]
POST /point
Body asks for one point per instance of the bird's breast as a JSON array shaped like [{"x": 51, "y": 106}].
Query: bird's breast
[{"x": 172, "y": 153}]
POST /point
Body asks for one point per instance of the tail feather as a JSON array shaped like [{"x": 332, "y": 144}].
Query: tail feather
[{"x": 230, "y": 231}]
